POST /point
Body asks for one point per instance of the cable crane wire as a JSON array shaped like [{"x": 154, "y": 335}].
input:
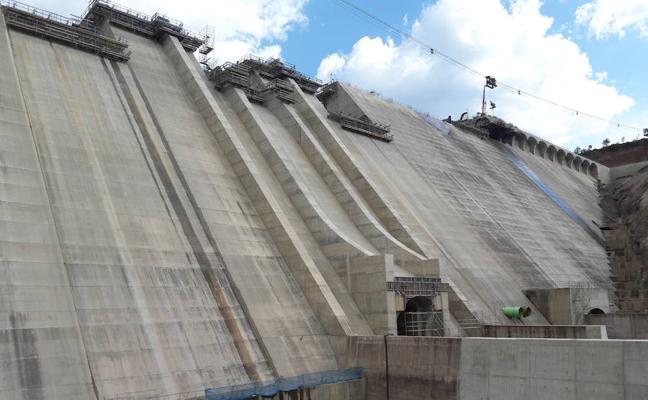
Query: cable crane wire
[{"x": 435, "y": 52}]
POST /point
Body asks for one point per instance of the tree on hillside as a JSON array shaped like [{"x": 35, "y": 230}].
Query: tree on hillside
[
  {"x": 606, "y": 142},
  {"x": 577, "y": 150}
]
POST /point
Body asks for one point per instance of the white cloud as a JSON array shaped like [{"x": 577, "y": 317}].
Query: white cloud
[
  {"x": 242, "y": 26},
  {"x": 510, "y": 43},
  {"x": 614, "y": 17},
  {"x": 332, "y": 63}
]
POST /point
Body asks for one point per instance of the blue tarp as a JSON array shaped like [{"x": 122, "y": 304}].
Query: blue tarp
[{"x": 269, "y": 389}]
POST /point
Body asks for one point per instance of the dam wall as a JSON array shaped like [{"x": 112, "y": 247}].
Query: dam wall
[
  {"x": 171, "y": 281},
  {"x": 163, "y": 234},
  {"x": 41, "y": 341},
  {"x": 453, "y": 191}
]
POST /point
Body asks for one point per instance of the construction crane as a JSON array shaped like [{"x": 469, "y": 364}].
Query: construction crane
[{"x": 491, "y": 83}]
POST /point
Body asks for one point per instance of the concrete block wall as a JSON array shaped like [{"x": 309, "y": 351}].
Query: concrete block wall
[
  {"x": 502, "y": 369},
  {"x": 552, "y": 369},
  {"x": 419, "y": 367},
  {"x": 368, "y": 282},
  {"x": 621, "y": 325}
]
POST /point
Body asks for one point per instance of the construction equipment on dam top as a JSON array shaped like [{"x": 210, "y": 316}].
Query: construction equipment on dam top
[
  {"x": 257, "y": 76},
  {"x": 80, "y": 33},
  {"x": 155, "y": 26}
]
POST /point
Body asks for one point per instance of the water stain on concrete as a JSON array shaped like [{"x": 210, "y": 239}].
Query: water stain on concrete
[{"x": 25, "y": 348}]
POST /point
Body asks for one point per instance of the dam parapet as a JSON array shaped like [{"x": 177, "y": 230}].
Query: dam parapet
[{"x": 497, "y": 129}]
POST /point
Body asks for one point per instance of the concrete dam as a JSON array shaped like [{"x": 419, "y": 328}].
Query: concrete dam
[{"x": 170, "y": 231}]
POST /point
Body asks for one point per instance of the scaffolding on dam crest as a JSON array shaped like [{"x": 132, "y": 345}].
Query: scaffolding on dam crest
[
  {"x": 155, "y": 26},
  {"x": 258, "y": 76},
  {"x": 77, "y": 32}
]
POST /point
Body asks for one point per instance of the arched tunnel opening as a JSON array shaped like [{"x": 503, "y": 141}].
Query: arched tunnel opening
[
  {"x": 593, "y": 170},
  {"x": 419, "y": 318}
]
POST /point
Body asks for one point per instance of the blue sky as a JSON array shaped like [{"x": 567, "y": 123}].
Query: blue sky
[
  {"x": 585, "y": 54},
  {"x": 333, "y": 28},
  {"x": 621, "y": 58}
]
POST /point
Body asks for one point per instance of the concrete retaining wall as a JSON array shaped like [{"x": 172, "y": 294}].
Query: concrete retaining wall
[
  {"x": 553, "y": 369},
  {"x": 501, "y": 369},
  {"x": 420, "y": 367},
  {"x": 622, "y": 326}
]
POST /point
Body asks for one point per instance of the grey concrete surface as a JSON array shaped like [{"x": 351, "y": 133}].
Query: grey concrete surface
[
  {"x": 419, "y": 367},
  {"x": 158, "y": 237},
  {"x": 553, "y": 369},
  {"x": 501, "y": 369},
  {"x": 569, "y": 306},
  {"x": 42, "y": 352},
  {"x": 622, "y": 325},
  {"x": 455, "y": 191}
]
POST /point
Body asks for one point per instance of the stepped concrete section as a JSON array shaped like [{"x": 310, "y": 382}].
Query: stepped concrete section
[{"x": 161, "y": 236}]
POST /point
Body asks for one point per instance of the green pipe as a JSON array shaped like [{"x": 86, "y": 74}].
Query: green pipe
[{"x": 517, "y": 312}]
